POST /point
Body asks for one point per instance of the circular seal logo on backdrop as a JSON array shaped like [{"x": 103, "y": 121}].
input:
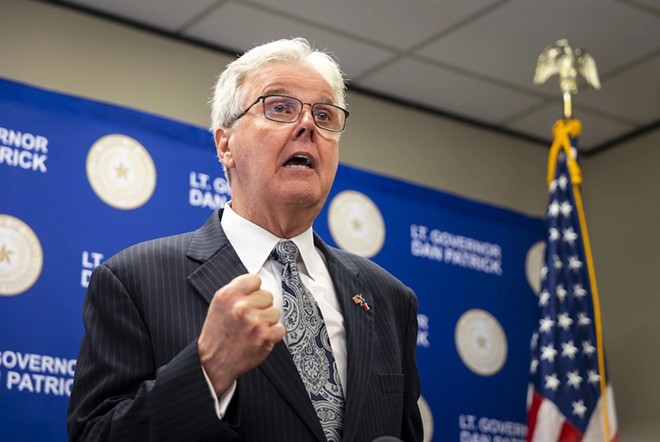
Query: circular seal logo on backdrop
[
  {"x": 121, "y": 171},
  {"x": 21, "y": 256},
  {"x": 533, "y": 264},
  {"x": 481, "y": 342},
  {"x": 427, "y": 418},
  {"x": 356, "y": 224}
]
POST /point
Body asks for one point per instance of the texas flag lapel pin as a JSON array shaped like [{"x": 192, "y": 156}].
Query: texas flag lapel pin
[{"x": 359, "y": 300}]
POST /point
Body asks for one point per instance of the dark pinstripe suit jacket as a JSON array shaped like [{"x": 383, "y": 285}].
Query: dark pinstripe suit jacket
[{"x": 139, "y": 377}]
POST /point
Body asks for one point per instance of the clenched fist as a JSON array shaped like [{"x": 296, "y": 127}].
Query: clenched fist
[{"x": 241, "y": 328}]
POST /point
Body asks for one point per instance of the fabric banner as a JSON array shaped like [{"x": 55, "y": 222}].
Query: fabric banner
[{"x": 81, "y": 180}]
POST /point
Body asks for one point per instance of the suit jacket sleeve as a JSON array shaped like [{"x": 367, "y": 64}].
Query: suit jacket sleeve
[{"x": 121, "y": 393}]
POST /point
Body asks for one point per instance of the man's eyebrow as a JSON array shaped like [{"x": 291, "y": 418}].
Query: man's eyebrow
[
  {"x": 327, "y": 100},
  {"x": 276, "y": 91},
  {"x": 284, "y": 91}
]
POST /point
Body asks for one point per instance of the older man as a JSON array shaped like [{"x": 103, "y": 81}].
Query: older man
[{"x": 248, "y": 329}]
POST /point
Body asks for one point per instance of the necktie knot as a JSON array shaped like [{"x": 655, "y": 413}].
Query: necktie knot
[{"x": 285, "y": 252}]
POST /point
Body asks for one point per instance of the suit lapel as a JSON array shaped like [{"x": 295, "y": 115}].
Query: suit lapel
[
  {"x": 219, "y": 261},
  {"x": 359, "y": 325},
  {"x": 219, "y": 265},
  {"x": 283, "y": 374}
]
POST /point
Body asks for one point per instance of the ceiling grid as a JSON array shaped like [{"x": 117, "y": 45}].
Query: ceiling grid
[{"x": 470, "y": 60}]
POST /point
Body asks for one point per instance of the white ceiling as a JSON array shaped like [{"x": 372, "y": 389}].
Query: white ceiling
[{"x": 472, "y": 59}]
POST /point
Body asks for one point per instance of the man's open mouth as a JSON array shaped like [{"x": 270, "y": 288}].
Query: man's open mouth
[{"x": 299, "y": 161}]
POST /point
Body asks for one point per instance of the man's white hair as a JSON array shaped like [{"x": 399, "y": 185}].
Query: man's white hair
[{"x": 229, "y": 92}]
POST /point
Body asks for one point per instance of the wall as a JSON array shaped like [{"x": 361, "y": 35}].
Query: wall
[
  {"x": 623, "y": 187},
  {"x": 71, "y": 52}
]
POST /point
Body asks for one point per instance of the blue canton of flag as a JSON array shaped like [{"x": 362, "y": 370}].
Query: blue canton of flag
[{"x": 564, "y": 402}]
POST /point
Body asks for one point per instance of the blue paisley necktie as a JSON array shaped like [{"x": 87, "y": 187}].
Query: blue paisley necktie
[{"x": 309, "y": 343}]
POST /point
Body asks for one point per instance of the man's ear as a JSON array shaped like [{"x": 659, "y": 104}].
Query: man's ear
[{"x": 221, "y": 137}]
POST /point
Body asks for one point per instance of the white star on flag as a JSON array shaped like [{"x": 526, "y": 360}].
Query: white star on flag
[
  {"x": 593, "y": 377},
  {"x": 554, "y": 234},
  {"x": 583, "y": 319},
  {"x": 553, "y": 209},
  {"x": 574, "y": 379},
  {"x": 552, "y": 382},
  {"x": 545, "y": 324},
  {"x": 563, "y": 181},
  {"x": 566, "y": 208},
  {"x": 588, "y": 349},
  {"x": 578, "y": 291},
  {"x": 570, "y": 236},
  {"x": 557, "y": 263},
  {"x": 564, "y": 321},
  {"x": 561, "y": 292},
  {"x": 579, "y": 409},
  {"x": 548, "y": 353},
  {"x": 568, "y": 349},
  {"x": 544, "y": 297},
  {"x": 574, "y": 263},
  {"x": 533, "y": 366}
]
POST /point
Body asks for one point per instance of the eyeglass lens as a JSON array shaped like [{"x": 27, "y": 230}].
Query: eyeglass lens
[{"x": 288, "y": 109}]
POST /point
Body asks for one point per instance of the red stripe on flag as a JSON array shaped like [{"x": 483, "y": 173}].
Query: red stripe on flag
[
  {"x": 569, "y": 433},
  {"x": 532, "y": 414}
]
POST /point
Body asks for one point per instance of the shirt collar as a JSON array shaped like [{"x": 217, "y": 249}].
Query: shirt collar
[{"x": 253, "y": 243}]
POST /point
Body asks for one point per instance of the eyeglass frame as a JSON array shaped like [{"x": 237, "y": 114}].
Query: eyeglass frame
[{"x": 262, "y": 98}]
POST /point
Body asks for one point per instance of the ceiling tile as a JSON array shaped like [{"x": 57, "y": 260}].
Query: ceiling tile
[
  {"x": 633, "y": 94},
  {"x": 652, "y": 4},
  {"x": 226, "y": 27},
  {"x": 169, "y": 15},
  {"x": 394, "y": 23},
  {"x": 507, "y": 42},
  {"x": 445, "y": 90},
  {"x": 596, "y": 130}
]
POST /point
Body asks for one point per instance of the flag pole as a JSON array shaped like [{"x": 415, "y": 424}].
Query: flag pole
[{"x": 561, "y": 59}]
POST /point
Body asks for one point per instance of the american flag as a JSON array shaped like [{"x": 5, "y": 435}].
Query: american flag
[{"x": 565, "y": 400}]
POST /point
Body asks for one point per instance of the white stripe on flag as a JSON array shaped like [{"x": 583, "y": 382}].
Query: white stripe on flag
[
  {"x": 595, "y": 431},
  {"x": 549, "y": 422}
]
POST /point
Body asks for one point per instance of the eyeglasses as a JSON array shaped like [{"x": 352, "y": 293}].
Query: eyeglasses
[{"x": 284, "y": 109}]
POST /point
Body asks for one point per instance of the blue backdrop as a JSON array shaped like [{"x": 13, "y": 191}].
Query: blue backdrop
[{"x": 81, "y": 180}]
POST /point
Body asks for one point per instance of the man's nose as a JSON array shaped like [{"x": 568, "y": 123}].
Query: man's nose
[{"x": 306, "y": 124}]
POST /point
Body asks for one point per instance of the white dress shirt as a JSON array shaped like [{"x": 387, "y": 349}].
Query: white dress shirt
[{"x": 253, "y": 245}]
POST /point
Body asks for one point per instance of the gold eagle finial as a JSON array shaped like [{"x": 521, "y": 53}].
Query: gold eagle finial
[{"x": 561, "y": 59}]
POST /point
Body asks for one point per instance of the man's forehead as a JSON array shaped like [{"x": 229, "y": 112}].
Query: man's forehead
[{"x": 288, "y": 79}]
